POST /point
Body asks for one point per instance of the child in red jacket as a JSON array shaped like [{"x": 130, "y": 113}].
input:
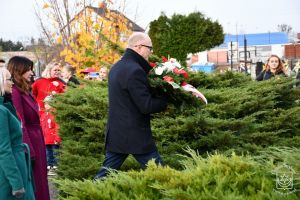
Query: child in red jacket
[{"x": 51, "y": 137}]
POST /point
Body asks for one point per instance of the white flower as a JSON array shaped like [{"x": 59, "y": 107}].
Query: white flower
[
  {"x": 53, "y": 92},
  {"x": 172, "y": 60},
  {"x": 175, "y": 63},
  {"x": 55, "y": 83},
  {"x": 159, "y": 70},
  {"x": 169, "y": 66}
]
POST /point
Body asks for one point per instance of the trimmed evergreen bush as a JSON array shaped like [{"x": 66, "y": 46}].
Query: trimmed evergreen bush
[
  {"x": 214, "y": 177},
  {"x": 81, "y": 114},
  {"x": 241, "y": 115}
]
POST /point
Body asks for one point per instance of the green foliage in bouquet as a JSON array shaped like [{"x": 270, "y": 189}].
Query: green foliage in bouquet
[
  {"x": 178, "y": 97},
  {"x": 214, "y": 177},
  {"x": 242, "y": 115},
  {"x": 168, "y": 78}
]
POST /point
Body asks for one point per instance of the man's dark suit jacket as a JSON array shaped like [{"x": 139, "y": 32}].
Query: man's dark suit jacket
[{"x": 130, "y": 105}]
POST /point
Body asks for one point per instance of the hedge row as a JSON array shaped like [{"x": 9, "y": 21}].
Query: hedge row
[
  {"x": 242, "y": 116},
  {"x": 214, "y": 177}
]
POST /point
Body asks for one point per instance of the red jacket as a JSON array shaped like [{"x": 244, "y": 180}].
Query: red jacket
[
  {"x": 50, "y": 128},
  {"x": 44, "y": 87}
]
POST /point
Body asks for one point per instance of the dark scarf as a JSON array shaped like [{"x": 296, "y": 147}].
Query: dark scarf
[{"x": 7, "y": 98}]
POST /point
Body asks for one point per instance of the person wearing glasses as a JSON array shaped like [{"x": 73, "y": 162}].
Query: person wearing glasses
[
  {"x": 130, "y": 105},
  {"x": 16, "y": 181}
]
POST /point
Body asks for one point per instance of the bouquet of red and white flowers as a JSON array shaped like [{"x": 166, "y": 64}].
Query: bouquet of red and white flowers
[{"x": 171, "y": 73}]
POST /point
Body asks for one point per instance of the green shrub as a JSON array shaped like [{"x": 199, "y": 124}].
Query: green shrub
[
  {"x": 81, "y": 114},
  {"x": 214, "y": 177},
  {"x": 241, "y": 115}
]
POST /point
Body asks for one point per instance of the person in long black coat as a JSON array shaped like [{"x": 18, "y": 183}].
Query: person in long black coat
[{"x": 130, "y": 106}]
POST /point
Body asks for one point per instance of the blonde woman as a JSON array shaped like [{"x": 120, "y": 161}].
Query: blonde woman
[
  {"x": 49, "y": 84},
  {"x": 102, "y": 74}
]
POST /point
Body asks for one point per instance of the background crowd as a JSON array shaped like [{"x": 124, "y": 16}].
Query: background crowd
[{"x": 29, "y": 133}]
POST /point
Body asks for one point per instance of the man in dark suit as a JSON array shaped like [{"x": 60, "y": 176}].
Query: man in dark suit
[{"x": 130, "y": 106}]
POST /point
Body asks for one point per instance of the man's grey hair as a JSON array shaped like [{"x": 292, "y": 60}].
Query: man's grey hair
[{"x": 137, "y": 38}]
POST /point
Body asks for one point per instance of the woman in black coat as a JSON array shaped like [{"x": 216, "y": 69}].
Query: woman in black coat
[
  {"x": 274, "y": 67},
  {"x": 68, "y": 75}
]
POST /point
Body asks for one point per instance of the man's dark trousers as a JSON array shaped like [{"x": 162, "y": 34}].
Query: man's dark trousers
[{"x": 115, "y": 160}]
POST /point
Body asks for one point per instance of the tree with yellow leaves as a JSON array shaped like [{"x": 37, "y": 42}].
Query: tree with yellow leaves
[{"x": 93, "y": 37}]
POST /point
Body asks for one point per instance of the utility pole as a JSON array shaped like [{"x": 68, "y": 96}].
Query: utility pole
[
  {"x": 245, "y": 54},
  {"x": 231, "y": 56},
  {"x": 237, "y": 43}
]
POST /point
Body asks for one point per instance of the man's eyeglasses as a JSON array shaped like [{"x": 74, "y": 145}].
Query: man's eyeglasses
[{"x": 149, "y": 47}]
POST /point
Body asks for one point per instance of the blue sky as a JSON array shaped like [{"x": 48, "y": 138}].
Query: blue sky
[{"x": 18, "y": 22}]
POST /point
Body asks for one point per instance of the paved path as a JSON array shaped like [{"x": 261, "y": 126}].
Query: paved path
[{"x": 52, "y": 189}]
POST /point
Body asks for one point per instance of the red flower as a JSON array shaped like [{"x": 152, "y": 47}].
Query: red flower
[
  {"x": 176, "y": 71},
  {"x": 181, "y": 72},
  {"x": 184, "y": 73},
  {"x": 164, "y": 59},
  {"x": 152, "y": 65},
  {"x": 168, "y": 79},
  {"x": 184, "y": 83}
]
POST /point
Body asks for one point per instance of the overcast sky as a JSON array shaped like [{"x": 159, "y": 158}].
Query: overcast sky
[{"x": 18, "y": 22}]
